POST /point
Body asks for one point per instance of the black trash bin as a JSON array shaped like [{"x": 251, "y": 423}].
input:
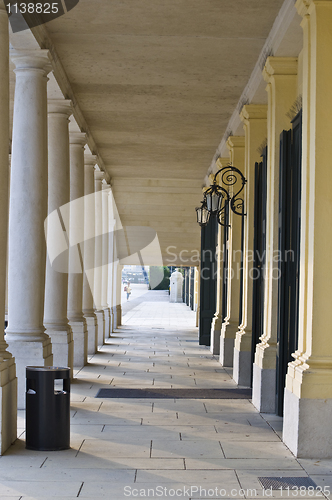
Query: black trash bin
[{"x": 47, "y": 408}]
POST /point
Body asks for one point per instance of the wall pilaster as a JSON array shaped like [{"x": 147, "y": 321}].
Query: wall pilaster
[
  {"x": 281, "y": 76},
  {"x": 217, "y": 320},
  {"x": 308, "y": 393},
  {"x": 236, "y": 146}
]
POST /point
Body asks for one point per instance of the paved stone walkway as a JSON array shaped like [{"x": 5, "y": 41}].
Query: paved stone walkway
[{"x": 158, "y": 448}]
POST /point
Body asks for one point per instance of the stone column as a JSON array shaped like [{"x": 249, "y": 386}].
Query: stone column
[
  {"x": 118, "y": 295},
  {"x": 97, "y": 294},
  {"x": 111, "y": 228},
  {"x": 26, "y": 335},
  {"x": 76, "y": 235},
  {"x": 217, "y": 320},
  {"x": 105, "y": 257},
  {"x": 281, "y": 75},
  {"x": 8, "y": 381},
  {"x": 307, "y": 427},
  {"x": 255, "y": 127},
  {"x": 231, "y": 321},
  {"x": 89, "y": 252},
  {"x": 56, "y": 286}
]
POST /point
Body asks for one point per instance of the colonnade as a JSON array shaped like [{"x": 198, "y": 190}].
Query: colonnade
[
  {"x": 60, "y": 308},
  {"x": 300, "y": 83}
]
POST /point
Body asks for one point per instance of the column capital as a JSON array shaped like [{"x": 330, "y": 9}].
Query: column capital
[
  {"x": 253, "y": 112},
  {"x": 106, "y": 186},
  {"x": 285, "y": 66},
  {"x": 90, "y": 159},
  {"x": 60, "y": 106},
  {"x": 99, "y": 175},
  {"x": 235, "y": 141},
  {"x": 31, "y": 60},
  {"x": 78, "y": 139}
]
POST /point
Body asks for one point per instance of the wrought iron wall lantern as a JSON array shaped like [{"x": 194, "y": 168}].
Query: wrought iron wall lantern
[{"x": 220, "y": 197}]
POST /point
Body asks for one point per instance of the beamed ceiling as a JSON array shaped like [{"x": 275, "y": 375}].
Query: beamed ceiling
[{"x": 157, "y": 82}]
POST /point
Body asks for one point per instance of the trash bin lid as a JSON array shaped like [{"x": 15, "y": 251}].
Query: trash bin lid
[
  {"x": 52, "y": 371},
  {"x": 46, "y": 368}
]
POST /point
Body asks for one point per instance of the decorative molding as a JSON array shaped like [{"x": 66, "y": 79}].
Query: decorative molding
[
  {"x": 44, "y": 41},
  {"x": 276, "y": 35}
]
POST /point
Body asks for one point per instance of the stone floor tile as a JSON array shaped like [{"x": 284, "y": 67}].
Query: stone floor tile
[
  {"x": 37, "y": 488},
  {"x": 109, "y": 449},
  {"x": 244, "y": 463},
  {"x": 235, "y": 449},
  {"x": 189, "y": 477},
  {"x": 185, "y": 449},
  {"x": 322, "y": 466}
]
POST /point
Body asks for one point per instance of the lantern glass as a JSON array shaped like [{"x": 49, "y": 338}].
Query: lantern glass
[
  {"x": 216, "y": 202},
  {"x": 203, "y": 215}
]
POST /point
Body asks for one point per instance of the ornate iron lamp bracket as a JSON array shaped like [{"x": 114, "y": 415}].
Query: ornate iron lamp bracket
[{"x": 225, "y": 194}]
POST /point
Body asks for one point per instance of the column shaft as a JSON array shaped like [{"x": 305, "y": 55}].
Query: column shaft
[
  {"x": 105, "y": 254},
  {"x": 89, "y": 251},
  {"x": 99, "y": 176},
  {"x": 8, "y": 381},
  {"x": 76, "y": 236},
  {"x": 28, "y": 210},
  {"x": 56, "y": 285}
]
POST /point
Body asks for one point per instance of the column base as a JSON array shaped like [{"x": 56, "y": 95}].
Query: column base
[
  {"x": 80, "y": 336},
  {"x": 62, "y": 347},
  {"x": 114, "y": 311},
  {"x": 215, "y": 340},
  {"x": 242, "y": 367},
  {"x": 111, "y": 321},
  {"x": 226, "y": 352},
  {"x": 92, "y": 327},
  {"x": 264, "y": 389},
  {"x": 28, "y": 353},
  {"x": 307, "y": 427},
  {"x": 8, "y": 404},
  {"x": 118, "y": 315},
  {"x": 100, "y": 328},
  {"x": 107, "y": 322}
]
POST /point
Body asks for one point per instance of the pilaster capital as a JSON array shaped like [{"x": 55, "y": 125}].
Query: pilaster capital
[
  {"x": 77, "y": 139},
  {"x": 305, "y": 7},
  {"x": 253, "y": 112},
  {"x": 222, "y": 162},
  {"x": 235, "y": 141},
  {"x": 279, "y": 66},
  {"x": 302, "y": 7},
  {"x": 60, "y": 107},
  {"x": 90, "y": 160},
  {"x": 26, "y": 60},
  {"x": 106, "y": 187}
]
